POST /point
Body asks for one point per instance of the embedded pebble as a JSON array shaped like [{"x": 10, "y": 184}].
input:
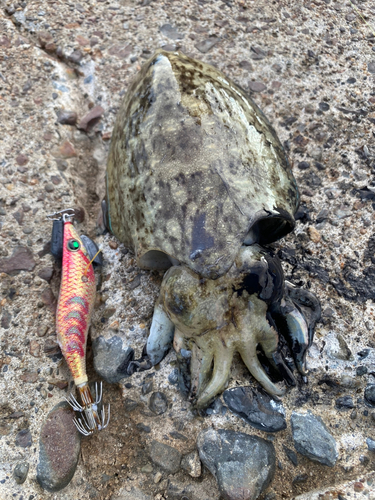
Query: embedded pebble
[
  {"x": 158, "y": 403},
  {"x": 23, "y": 438},
  {"x": 370, "y": 395},
  {"x": 171, "y": 32},
  {"x": 345, "y": 403},
  {"x": 191, "y": 464},
  {"x": 207, "y": 44},
  {"x": 370, "y": 444},
  {"x": 59, "y": 448},
  {"x": 243, "y": 465},
  {"x": 257, "y": 408},
  {"x": 257, "y": 86},
  {"x": 46, "y": 273},
  {"x": 111, "y": 358},
  {"x": 147, "y": 387},
  {"x": 292, "y": 455},
  {"x": 20, "y": 472},
  {"x": 91, "y": 118},
  {"x": 173, "y": 377},
  {"x": 312, "y": 439},
  {"x": 165, "y": 456},
  {"x": 22, "y": 259},
  {"x": 67, "y": 117}
]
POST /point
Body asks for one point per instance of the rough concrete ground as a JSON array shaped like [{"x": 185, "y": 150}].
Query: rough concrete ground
[{"x": 311, "y": 68}]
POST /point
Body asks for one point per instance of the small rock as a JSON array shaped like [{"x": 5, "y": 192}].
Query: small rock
[
  {"x": 257, "y": 408},
  {"x": 246, "y": 65},
  {"x": 34, "y": 348},
  {"x": 173, "y": 377},
  {"x": 91, "y": 118},
  {"x": 323, "y": 106},
  {"x": 30, "y": 377},
  {"x": 314, "y": 234},
  {"x": 257, "y": 86},
  {"x": 157, "y": 477},
  {"x": 22, "y": 259},
  {"x": 130, "y": 404},
  {"x": 358, "y": 486},
  {"x": 111, "y": 358},
  {"x": 361, "y": 370},
  {"x": 345, "y": 403},
  {"x": 191, "y": 464},
  {"x": 147, "y": 387},
  {"x": 20, "y": 472},
  {"x": 120, "y": 51},
  {"x": 147, "y": 468},
  {"x": 76, "y": 56},
  {"x": 23, "y": 438},
  {"x": 158, "y": 403},
  {"x": 165, "y": 456},
  {"x": 171, "y": 32},
  {"x": 144, "y": 428},
  {"x": 51, "y": 348},
  {"x": 371, "y": 66},
  {"x": 303, "y": 165},
  {"x": 65, "y": 151},
  {"x": 292, "y": 455},
  {"x": 370, "y": 395},
  {"x": 207, "y": 44},
  {"x": 60, "y": 446},
  {"x": 312, "y": 439},
  {"x": 370, "y": 444},
  {"x": 46, "y": 273},
  {"x": 19, "y": 216},
  {"x": 338, "y": 348},
  {"x": 243, "y": 465},
  {"x": 67, "y": 117},
  {"x": 316, "y": 153},
  {"x": 22, "y": 159},
  {"x": 6, "y": 318}
]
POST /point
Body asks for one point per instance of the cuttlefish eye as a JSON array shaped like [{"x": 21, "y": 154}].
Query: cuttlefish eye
[{"x": 73, "y": 245}]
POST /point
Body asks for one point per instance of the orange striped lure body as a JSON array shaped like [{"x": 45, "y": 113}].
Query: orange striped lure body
[
  {"x": 76, "y": 302},
  {"x": 74, "y": 310}
]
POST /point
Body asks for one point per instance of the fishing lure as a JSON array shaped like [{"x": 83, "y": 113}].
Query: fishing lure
[{"x": 74, "y": 310}]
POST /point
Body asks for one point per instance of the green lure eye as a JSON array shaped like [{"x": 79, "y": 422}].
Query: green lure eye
[{"x": 73, "y": 245}]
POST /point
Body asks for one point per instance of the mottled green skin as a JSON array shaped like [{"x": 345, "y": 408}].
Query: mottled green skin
[{"x": 193, "y": 166}]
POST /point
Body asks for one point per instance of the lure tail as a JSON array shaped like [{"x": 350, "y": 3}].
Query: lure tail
[{"x": 74, "y": 310}]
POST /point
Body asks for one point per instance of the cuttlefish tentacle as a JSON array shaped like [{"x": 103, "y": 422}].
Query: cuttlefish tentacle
[
  {"x": 222, "y": 358},
  {"x": 201, "y": 367}
]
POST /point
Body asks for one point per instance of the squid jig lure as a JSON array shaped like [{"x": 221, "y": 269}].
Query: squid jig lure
[{"x": 74, "y": 310}]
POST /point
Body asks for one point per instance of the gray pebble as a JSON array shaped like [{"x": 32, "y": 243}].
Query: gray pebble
[
  {"x": 370, "y": 444},
  {"x": 158, "y": 403},
  {"x": 144, "y": 428},
  {"x": 173, "y": 377},
  {"x": 243, "y": 465},
  {"x": 147, "y": 387},
  {"x": 111, "y": 358},
  {"x": 165, "y": 456},
  {"x": 207, "y": 44},
  {"x": 191, "y": 464},
  {"x": 370, "y": 395},
  {"x": 345, "y": 403},
  {"x": 20, "y": 472},
  {"x": 312, "y": 439},
  {"x": 257, "y": 408},
  {"x": 23, "y": 438}
]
